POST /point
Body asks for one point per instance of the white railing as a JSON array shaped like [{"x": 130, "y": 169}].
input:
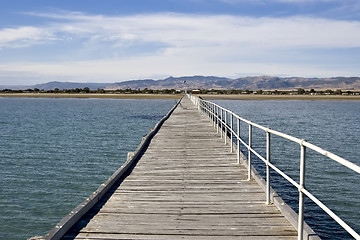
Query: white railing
[{"x": 223, "y": 120}]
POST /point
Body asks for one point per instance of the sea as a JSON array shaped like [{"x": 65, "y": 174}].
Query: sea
[
  {"x": 54, "y": 153},
  {"x": 331, "y": 125}
]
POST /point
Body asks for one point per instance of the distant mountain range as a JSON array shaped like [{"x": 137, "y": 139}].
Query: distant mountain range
[
  {"x": 212, "y": 82},
  {"x": 59, "y": 85},
  {"x": 70, "y": 85}
]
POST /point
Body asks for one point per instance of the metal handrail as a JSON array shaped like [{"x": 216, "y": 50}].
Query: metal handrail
[{"x": 219, "y": 117}]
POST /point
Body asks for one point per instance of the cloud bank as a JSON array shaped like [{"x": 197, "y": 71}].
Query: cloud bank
[{"x": 114, "y": 48}]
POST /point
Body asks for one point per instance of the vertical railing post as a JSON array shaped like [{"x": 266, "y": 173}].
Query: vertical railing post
[
  {"x": 225, "y": 128},
  {"x": 205, "y": 109},
  {"x": 301, "y": 194},
  {"x": 238, "y": 140},
  {"x": 217, "y": 119},
  {"x": 208, "y": 112},
  {"x": 214, "y": 114},
  {"x": 208, "y": 109},
  {"x": 249, "y": 152},
  {"x": 267, "y": 167},
  {"x": 231, "y": 131},
  {"x": 221, "y": 123}
]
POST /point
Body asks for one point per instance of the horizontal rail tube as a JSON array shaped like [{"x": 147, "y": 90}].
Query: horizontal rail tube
[{"x": 218, "y": 118}]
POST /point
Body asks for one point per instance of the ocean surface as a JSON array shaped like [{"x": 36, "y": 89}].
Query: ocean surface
[
  {"x": 331, "y": 125},
  {"x": 55, "y": 152}
]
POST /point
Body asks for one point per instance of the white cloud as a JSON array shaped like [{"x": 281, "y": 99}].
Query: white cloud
[
  {"x": 161, "y": 66},
  {"x": 179, "y": 44},
  {"x": 24, "y": 36},
  {"x": 194, "y": 30}
]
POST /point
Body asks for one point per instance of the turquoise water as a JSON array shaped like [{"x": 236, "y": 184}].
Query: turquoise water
[
  {"x": 55, "y": 152},
  {"x": 331, "y": 125}
]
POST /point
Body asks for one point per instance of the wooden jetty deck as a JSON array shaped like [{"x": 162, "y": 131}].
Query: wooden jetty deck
[{"x": 187, "y": 185}]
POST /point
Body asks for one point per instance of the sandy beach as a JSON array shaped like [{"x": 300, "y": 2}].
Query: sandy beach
[{"x": 177, "y": 96}]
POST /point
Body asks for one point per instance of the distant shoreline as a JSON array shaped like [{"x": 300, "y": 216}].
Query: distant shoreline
[
  {"x": 177, "y": 96},
  {"x": 281, "y": 97},
  {"x": 92, "y": 95}
]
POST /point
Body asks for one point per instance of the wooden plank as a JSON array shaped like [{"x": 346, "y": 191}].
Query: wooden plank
[
  {"x": 186, "y": 185},
  {"x": 112, "y": 236}
]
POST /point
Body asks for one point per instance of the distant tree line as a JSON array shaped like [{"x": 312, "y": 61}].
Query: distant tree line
[
  {"x": 56, "y": 90},
  {"x": 88, "y": 90},
  {"x": 299, "y": 91}
]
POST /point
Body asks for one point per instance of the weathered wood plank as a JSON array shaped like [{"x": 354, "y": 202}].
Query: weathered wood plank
[
  {"x": 111, "y": 236},
  {"x": 187, "y": 185}
]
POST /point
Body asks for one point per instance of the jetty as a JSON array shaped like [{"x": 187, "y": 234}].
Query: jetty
[{"x": 184, "y": 182}]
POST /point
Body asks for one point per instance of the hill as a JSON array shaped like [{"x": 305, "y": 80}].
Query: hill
[
  {"x": 250, "y": 83},
  {"x": 56, "y": 84},
  {"x": 69, "y": 85},
  {"x": 211, "y": 82}
]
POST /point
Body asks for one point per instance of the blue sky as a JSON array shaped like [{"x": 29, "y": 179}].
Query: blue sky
[{"x": 117, "y": 40}]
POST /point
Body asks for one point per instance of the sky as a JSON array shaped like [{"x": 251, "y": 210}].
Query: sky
[{"x": 108, "y": 41}]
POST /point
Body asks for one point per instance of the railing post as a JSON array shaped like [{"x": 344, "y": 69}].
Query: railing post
[
  {"x": 208, "y": 112},
  {"x": 231, "y": 131},
  {"x": 221, "y": 123},
  {"x": 225, "y": 128},
  {"x": 213, "y": 114},
  {"x": 267, "y": 167},
  {"x": 208, "y": 109},
  {"x": 238, "y": 140},
  {"x": 249, "y": 152},
  {"x": 217, "y": 119},
  {"x": 301, "y": 194}
]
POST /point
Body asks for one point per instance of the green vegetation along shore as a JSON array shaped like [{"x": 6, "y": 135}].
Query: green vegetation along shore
[
  {"x": 92, "y": 95},
  {"x": 179, "y": 95},
  {"x": 282, "y": 97}
]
